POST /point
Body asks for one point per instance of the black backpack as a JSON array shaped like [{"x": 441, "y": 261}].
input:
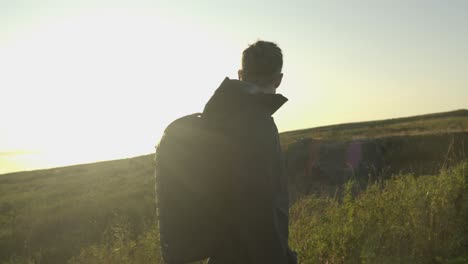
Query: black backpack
[{"x": 190, "y": 188}]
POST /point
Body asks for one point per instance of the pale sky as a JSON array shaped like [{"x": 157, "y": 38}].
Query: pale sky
[{"x": 82, "y": 81}]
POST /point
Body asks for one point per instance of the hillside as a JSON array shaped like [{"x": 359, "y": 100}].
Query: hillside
[
  {"x": 447, "y": 122},
  {"x": 50, "y": 215},
  {"x": 324, "y": 157}
]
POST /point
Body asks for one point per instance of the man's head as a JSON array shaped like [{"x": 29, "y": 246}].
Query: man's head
[{"x": 261, "y": 64}]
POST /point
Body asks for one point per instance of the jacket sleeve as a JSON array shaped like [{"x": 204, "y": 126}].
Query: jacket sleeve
[{"x": 258, "y": 230}]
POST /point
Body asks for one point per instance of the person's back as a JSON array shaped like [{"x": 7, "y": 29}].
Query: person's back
[{"x": 256, "y": 211}]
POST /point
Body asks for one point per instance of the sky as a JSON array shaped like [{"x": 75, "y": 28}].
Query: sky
[{"x": 84, "y": 81}]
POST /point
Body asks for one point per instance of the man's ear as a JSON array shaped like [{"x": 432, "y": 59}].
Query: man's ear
[
  {"x": 278, "y": 80},
  {"x": 239, "y": 75}
]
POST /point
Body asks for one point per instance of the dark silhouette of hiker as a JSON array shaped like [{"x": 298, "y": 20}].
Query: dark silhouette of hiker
[{"x": 257, "y": 218}]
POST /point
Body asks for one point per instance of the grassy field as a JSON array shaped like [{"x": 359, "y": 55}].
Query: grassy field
[
  {"x": 49, "y": 215},
  {"x": 404, "y": 220},
  {"x": 448, "y": 122},
  {"x": 104, "y": 212}
]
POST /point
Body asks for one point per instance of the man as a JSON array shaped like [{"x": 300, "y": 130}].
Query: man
[{"x": 257, "y": 209}]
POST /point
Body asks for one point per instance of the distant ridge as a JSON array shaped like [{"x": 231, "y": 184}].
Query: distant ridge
[
  {"x": 366, "y": 129},
  {"x": 78, "y": 166},
  {"x": 354, "y": 125}
]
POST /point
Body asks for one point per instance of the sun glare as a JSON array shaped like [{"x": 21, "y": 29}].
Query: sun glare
[{"x": 102, "y": 86}]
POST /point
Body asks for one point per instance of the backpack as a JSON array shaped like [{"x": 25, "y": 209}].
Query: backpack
[{"x": 189, "y": 189}]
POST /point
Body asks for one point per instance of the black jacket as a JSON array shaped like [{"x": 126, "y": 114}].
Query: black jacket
[{"x": 258, "y": 213}]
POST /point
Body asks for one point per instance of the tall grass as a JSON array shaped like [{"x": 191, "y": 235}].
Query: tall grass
[
  {"x": 405, "y": 219},
  {"x": 118, "y": 247}
]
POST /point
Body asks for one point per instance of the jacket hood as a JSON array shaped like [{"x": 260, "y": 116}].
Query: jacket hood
[{"x": 234, "y": 96}]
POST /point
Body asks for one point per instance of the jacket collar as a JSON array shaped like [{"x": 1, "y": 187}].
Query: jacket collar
[{"x": 234, "y": 96}]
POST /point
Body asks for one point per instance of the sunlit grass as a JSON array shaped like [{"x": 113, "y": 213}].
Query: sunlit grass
[{"x": 402, "y": 220}]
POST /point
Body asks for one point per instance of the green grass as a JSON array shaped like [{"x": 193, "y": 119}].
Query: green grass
[
  {"x": 50, "y": 215},
  {"x": 403, "y": 220}
]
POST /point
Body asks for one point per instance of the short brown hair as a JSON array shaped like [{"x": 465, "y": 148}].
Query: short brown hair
[{"x": 261, "y": 61}]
